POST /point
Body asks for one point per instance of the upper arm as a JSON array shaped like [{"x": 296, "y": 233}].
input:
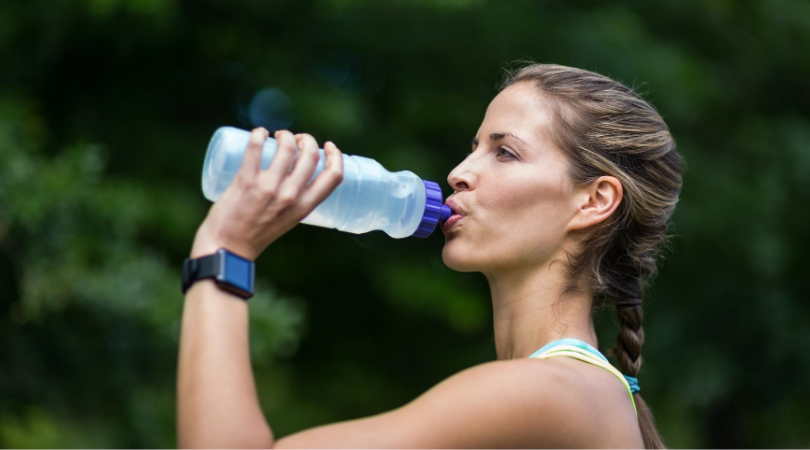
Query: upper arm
[{"x": 498, "y": 404}]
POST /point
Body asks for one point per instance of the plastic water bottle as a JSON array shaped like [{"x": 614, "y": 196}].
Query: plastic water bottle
[{"x": 369, "y": 198}]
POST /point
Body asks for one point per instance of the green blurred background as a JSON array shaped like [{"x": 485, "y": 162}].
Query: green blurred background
[{"x": 106, "y": 108}]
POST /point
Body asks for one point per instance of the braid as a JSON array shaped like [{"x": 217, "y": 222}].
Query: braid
[
  {"x": 627, "y": 263},
  {"x": 630, "y": 338},
  {"x": 626, "y": 272}
]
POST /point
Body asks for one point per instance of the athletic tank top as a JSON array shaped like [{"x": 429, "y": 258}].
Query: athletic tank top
[{"x": 582, "y": 351}]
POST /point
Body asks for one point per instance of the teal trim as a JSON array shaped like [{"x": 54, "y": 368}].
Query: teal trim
[
  {"x": 573, "y": 342},
  {"x": 631, "y": 381}
]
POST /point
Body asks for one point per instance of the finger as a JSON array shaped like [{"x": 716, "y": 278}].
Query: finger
[
  {"x": 307, "y": 159},
  {"x": 282, "y": 160},
  {"x": 252, "y": 159},
  {"x": 326, "y": 181}
]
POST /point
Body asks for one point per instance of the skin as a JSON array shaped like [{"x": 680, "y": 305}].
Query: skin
[{"x": 523, "y": 213}]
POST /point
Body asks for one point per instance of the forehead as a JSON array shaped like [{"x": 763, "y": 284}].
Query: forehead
[{"x": 519, "y": 109}]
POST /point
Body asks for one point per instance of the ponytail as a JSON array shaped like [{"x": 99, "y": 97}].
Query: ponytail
[{"x": 628, "y": 357}]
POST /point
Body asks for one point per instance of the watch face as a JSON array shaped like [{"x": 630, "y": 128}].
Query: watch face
[{"x": 239, "y": 272}]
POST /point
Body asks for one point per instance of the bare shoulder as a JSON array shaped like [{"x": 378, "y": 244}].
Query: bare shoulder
[
  {"x": 594, "y": 400},
  {"x": 558, "y": 402},
  {"x": 512, "y": 404}
]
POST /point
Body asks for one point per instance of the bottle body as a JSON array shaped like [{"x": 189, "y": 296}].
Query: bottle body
[{"x": 369, "y": 197}]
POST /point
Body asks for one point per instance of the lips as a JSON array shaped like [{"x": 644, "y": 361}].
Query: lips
[
  {"x": 458, "y": 215},
  {"x": 451, "y": 222},
  {"x": 456, "y": 208}
]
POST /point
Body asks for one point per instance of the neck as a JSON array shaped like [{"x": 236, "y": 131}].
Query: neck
[{"x": 530, "y": 311}]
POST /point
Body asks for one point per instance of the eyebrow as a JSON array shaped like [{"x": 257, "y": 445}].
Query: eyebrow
[{"x": 498, "y": 137}]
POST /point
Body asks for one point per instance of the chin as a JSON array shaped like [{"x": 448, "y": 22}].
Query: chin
[{"x": 458, "y": 258}]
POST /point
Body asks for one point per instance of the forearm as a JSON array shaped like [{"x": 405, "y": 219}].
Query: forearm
[{"x": 217, "y": 404}]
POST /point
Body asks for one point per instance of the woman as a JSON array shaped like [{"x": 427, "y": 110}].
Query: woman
[{"x": 564, "y": 204}]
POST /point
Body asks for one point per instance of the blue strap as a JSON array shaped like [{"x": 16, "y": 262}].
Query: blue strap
[{"x": 632, "y": 381}]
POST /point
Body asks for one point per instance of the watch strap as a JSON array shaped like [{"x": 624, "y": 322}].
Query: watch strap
[
  {"x": 199, "y": 268},
  {"x": 215, "y": 266}
]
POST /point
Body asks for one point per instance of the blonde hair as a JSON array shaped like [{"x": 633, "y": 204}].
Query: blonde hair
[{"x": 605, "y": 128}]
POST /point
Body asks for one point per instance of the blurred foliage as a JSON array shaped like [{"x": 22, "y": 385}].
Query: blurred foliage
[{"x": 106, "y": 107}]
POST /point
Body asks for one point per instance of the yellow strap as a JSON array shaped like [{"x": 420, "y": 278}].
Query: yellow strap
[{"x": 584, "y": 355}]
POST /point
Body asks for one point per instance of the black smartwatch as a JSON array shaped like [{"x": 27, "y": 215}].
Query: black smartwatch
[{"x": 231, "y": 272}]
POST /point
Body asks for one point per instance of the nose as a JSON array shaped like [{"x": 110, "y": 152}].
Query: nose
[{"x": 462, "y": 178}]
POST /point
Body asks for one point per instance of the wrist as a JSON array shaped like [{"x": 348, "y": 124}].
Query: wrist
[
  {"x": 204, "y": 247},
  {"x": 205, "y": 244}
]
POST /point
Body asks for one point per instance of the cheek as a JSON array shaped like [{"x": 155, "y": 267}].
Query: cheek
[
  {"x": 524, "y": 223},
  {"x": 525, "y": 204},
  {"x": 519, "y": 218}
]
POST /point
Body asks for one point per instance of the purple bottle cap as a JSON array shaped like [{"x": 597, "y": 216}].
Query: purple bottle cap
[{"x": 435, "y": 210}]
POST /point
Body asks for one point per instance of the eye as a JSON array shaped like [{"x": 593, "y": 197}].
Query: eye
[{"x": 504, "y": 151}]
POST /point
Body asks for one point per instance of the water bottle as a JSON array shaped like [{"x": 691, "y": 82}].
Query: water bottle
[{"x": 369, "y": 198}]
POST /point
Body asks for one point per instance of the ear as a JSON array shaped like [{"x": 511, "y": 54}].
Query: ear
[{"x": 596, "y": 202}]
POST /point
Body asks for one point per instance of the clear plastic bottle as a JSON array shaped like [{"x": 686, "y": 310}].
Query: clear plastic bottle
[{"x": 369, "y": 198}]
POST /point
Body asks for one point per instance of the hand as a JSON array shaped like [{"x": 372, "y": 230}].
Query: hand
[{"x": 261, "y": 205}]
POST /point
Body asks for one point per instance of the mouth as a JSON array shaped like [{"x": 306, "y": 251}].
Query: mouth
[
  {"x": 458, "y": 215},
  {"x": 456, "y": 208},
  {"x": 451, "y": 222}
]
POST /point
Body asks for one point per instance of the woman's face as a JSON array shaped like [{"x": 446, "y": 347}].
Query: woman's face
[{"x": 514, "y": 189}]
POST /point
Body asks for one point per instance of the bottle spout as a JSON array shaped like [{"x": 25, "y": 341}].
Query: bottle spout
[{"x": 445, "y": 213}]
